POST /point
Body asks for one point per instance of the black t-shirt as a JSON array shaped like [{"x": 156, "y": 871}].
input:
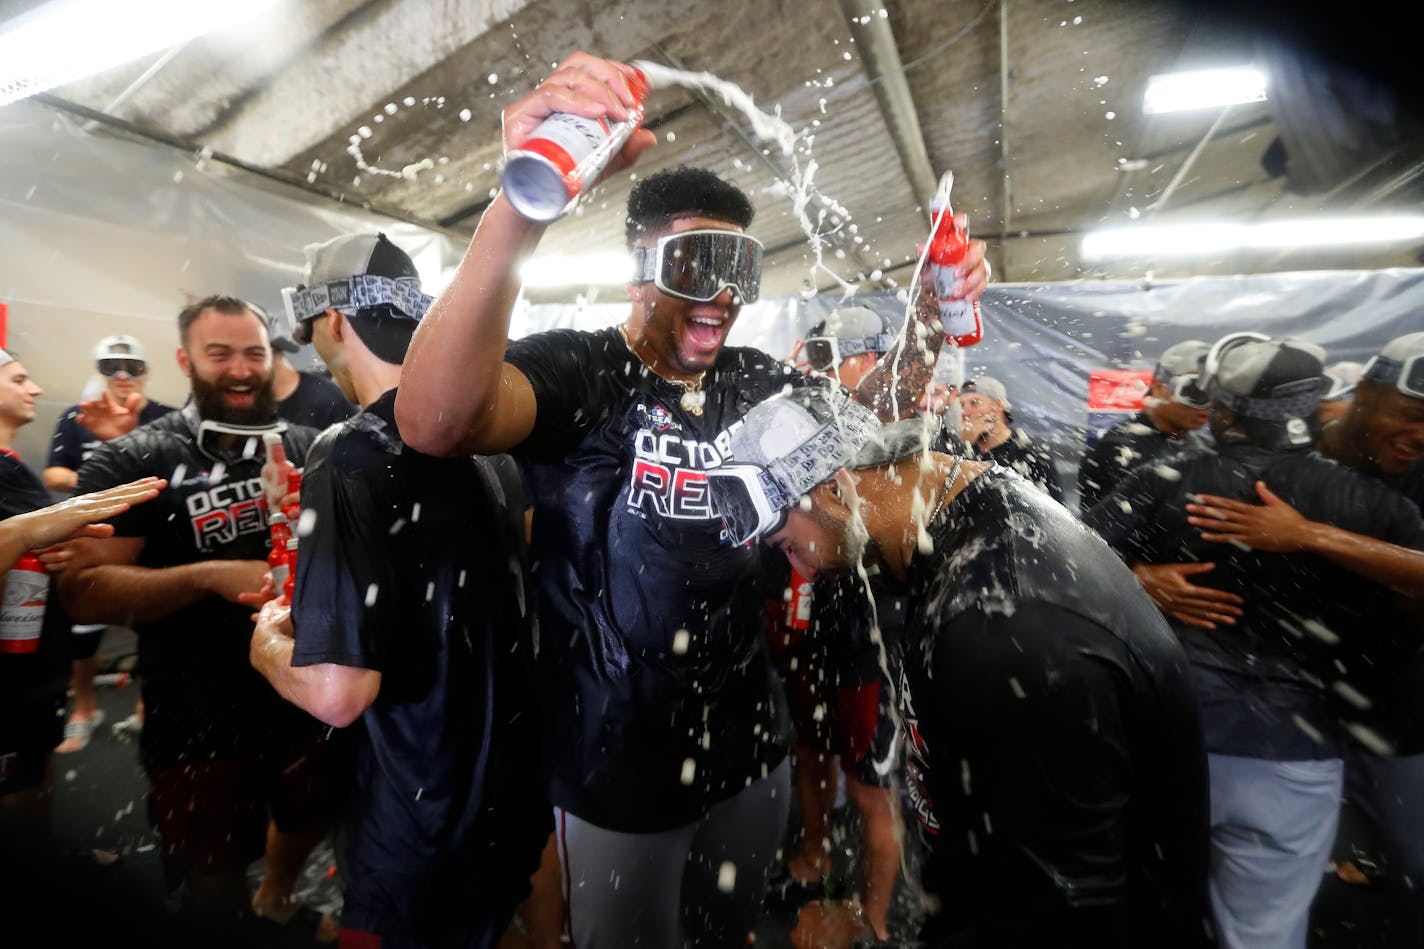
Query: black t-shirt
[
  {"x": 661, "y": 696},
  {"x": 1128, "y": 444},
  {"x": 415, "y": 568},
  {"x": 1263, "y": 681},
  {"x": 32, "y": 684},
  {"x": 1029, "y": 457},
  {"x": 1054, "y": 750},
  {"x": 316, "y": 402},
  {"x": 73, "y": 443},
  {"x": 202, "y": 697}
]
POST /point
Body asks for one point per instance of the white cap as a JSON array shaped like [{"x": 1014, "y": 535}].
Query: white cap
[{"x": 119, "y": 347}]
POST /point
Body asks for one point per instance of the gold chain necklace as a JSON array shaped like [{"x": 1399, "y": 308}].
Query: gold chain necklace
[{"x": 693, "y": 398}]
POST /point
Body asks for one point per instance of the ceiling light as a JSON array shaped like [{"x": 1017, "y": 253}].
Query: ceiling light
[
  {"x": 1203, "y": 89},
  {"x": 65, "y": 40},
  {"x": 1203, "y": 239},
  {"x": 612, "y": 269}
]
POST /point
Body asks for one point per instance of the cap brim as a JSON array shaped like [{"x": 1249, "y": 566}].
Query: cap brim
[{"x": 893, "y": 441}]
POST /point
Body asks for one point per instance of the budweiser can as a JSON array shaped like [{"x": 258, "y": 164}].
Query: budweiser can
[
  {"x": 545, "y": 175},
  {"x": 22, "y": 612}
]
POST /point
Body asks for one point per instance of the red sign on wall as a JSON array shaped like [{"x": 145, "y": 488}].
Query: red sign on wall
[{"x": 1118, "y": 390}]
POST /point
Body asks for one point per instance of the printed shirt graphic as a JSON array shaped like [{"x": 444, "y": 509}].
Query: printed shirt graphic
[
  {"x": 195, "y": 659},
  {"x": 651, "y": 618}
]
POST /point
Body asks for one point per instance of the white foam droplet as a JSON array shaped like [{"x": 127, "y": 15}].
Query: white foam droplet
[
  {"x": 680, "y": 640},
  {"x": 727, "y": 876},
  {"x": 689, "y": 771}
]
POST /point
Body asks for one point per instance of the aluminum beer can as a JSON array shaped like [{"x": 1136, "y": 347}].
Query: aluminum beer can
[
  {"x": 22, "y": 612},
  {"x": 545, "y": 175},
  {"x": 798, "y": 607}
]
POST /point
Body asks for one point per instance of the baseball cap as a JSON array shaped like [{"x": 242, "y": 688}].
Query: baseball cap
[
  {"x": 848, "y": 331},
  {"x": 5, "y": 358},
  {"x": 368, "y": 278},
  {"x": 119, "y": 347},
  {"x": 1400, "y": 364},
  {"x": 1181, "y": 359},
  {"x": 1273, "y": 381},
  {"x": 786, "y": 446},
  {"x": 994, "y": 389}
]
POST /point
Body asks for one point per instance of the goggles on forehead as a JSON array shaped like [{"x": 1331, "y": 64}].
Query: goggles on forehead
[
  {"x": 825, "y": 353},
  {"x": 1405, "y": 375},
  {"x": 302, "y": 304},
  {"x": 748, "y": 500},
  {"x": 113, "y": 366},
  {"x": 699, "y": 265}
]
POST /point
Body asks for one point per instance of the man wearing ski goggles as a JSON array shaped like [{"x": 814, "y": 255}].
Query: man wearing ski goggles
[
  {"x": 133, "y": 368},
  {"x": 1383, "y": 431},
  {"x": 698, "y": 265}
]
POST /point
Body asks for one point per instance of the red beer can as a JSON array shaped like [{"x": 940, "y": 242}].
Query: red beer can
[
  {"x": 22, "y": 613},
  {"x": 545, "y": 175},
  {"x": 798, "y": 606}
]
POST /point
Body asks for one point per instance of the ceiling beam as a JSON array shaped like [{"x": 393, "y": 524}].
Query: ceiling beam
[{"x": 885, "y": 70}]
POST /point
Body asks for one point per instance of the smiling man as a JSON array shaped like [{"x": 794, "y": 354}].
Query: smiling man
[
  {"x": 220, "y": 748},
  {"x": 1055, "y": 762},
  {"x": 666, "y": 753}
]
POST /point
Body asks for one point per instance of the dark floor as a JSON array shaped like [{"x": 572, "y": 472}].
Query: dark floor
[{"x": 99, "y": 803}]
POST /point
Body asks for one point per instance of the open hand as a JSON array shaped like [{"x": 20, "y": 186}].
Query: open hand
[
  {"x": 107, "y": 418},
  {"x": 1272, "y": 526},
  {"x": 1171, "y": 588}
]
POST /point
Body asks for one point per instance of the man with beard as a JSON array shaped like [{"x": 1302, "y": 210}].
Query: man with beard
[
  {"x": 219, "y": 747},
  {"x": 667, "y": 744},
  {"x": 1055, "y": 759}
]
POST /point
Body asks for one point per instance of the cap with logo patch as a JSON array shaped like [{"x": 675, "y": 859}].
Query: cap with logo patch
[
  {"x": 1400, "y": 364},
  {"x": 366, "y": 277}
]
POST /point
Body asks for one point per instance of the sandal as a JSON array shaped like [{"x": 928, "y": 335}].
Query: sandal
[{"x": 78, "y": 731}]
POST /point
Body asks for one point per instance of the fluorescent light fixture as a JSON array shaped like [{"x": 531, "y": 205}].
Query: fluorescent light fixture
[
  {"x": 590, "y": 270},
  {"x": 65, "y": 40},
  {"x": 1203, "y": 89},
  {"x": 1181, "y": 240}
]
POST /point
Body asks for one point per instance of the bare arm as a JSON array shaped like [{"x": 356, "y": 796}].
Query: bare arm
[
  {"x": 60, "y": 478},
  {"x": 457, "y": 395},
  {"x": 334, "y": 694},
  {"x": 1275, "y": 526},
  {"x": 104, "y": 585}
]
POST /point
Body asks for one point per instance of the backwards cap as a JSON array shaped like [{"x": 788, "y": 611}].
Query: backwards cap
[
  {"x": 1272, "y": 381},
  {"x": 119, "y": 347},
  {"x": 358, "y": 272},
  {"x": 1181, "y": 359}
]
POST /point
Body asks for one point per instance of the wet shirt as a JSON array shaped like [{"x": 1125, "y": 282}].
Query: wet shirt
[
  {"x": 1263, "y": 681},
  {"x": 73, "y": 442},
  {"x": 415, "y": 568},
  {"x": 316, "y": 402},
  {"x": 32, "y": 685},
  {"x": 1029, "y": 457},
  {"x": 1125, "y": 446},
  {"x": 661, "y": 695},
  {"x": 1054, "y": 752},
  {"x": 202, "y": 697}
]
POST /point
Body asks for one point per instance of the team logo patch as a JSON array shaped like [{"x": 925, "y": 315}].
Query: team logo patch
[{"x": 658, "y": 418}]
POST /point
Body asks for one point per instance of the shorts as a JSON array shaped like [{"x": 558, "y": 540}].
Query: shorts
[
  {"x": 848, "y": 720},
  {"x": 212, "y": 815},
  {"x": 84, "y": 641}
]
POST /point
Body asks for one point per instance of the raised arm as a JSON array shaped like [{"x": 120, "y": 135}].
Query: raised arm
[
  {"x": 457, "y": 395},
  {"x": 1274, "y": 525},
  {"x": 893, "y": 388}
]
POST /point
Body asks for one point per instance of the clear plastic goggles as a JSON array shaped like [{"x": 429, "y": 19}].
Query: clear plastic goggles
[
  {"x": 699, "y": 265},
  {"x": 1407, "y": 376},
  {"x": 746, "y": 500}
]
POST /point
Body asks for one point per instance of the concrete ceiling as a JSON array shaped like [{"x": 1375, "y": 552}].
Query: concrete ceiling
[{"x": 1034, "y": 104}]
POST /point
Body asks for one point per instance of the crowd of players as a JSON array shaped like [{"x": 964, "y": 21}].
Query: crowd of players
[{"x": 539, "y": 638}]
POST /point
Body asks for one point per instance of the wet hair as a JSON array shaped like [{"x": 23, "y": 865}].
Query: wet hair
[
  {"x": 231, "y": 306},
  {"x": 658, "y": 199}
]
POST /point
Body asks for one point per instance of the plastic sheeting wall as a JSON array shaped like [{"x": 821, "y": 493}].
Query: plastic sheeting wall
[
  {"x": 1042, "y": 341},
  {"x": 101, "y": 235}
]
